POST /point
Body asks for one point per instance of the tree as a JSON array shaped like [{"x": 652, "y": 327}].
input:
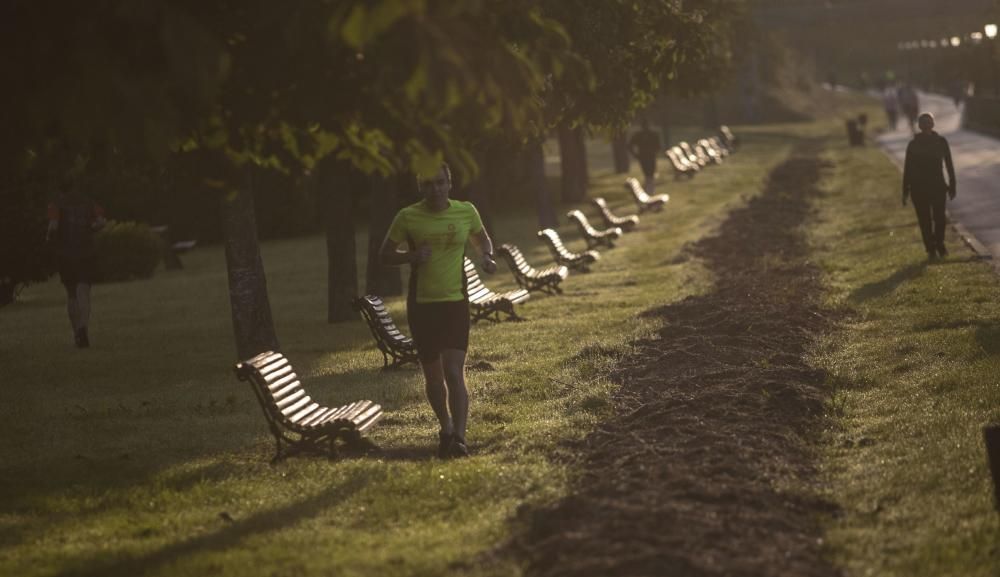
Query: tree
[{"x": 273, "y": 84}]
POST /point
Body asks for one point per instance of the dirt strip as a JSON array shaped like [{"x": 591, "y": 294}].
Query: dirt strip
[{"x": 707, "y": 467}]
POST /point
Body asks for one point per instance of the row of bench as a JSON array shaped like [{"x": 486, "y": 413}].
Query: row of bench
[
  {"x": 687, "y": 160},
  {"x": 300, "y": 424}
]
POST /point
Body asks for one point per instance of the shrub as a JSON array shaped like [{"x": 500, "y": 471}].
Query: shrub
[{"x": 127, "y": 250}]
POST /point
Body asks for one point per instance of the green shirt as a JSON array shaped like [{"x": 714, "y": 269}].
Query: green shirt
[{"x": 442, "y": 278}]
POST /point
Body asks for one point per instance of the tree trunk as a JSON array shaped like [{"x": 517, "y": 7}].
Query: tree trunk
[
  {"x": 619, "y": 151},
  {"x": 253, "y": 326},
  {"x": 337, "y": 182},
  {"x": 383, "y": 281},
  {"x": 533, "y": 158},
  {"x": 573, "y": 158}
]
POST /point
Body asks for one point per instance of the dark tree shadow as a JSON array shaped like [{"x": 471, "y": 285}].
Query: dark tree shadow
[{"x": 887, "y": 285}]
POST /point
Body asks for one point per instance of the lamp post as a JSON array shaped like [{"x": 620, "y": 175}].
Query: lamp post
[{"x": 991, "y": 34}]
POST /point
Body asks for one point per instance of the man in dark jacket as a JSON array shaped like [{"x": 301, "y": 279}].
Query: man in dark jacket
[{"x": 923, "y": 181}]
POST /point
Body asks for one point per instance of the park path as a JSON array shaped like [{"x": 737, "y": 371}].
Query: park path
[
  {"x": 977, "y": 166},
  {"x": 701, "y": 470}
]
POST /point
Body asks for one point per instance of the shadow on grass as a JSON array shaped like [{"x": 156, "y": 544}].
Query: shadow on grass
[
  {"x": 887, "y": 285},
  {"x": 225, "y": 538},
  {"x": 988, "y": 337}
]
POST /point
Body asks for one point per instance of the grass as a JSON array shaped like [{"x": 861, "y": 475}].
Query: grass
[
  {"x": 144, "y": 455},
  {"x": 916, "y": 371}
]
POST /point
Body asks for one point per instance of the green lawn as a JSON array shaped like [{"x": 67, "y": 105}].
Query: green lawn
[
  {"x": 916, "y": 370},
  {"x": 145, "y": 455}
]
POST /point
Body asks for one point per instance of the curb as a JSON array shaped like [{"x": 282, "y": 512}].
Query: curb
[{"x": 969, "y": 239}]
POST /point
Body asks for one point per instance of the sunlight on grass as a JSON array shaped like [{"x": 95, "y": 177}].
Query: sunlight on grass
[
  {"x": 145, "y": 455},
  {"x": 917, "y": 376}
]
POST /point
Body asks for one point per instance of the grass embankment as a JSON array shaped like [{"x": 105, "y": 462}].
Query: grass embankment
[
  {"x": 916, "y": 371},
  {"x": 144, "y": 455}
]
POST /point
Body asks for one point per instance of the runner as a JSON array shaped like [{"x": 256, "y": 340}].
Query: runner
[{"x": 435, "y": 231}]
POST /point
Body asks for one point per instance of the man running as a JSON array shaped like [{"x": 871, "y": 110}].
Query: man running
[
  {"x": 73, "y": 219},
  {"x": 435, "y": 231},
  {"x": 923, "y": 181}
]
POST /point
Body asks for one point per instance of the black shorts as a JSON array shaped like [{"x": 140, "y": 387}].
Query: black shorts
[
  {"x": 438, "y": 326},
  {"x": 77, "y": 269}
]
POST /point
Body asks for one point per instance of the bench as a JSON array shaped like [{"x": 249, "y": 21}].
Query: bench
[
  {"x": 297, "y": 421},
  {"x": 691, "y": 155},
  {"x": 706, "y": 152},
  {"x": 680, "y": 163},
  {"x": 710, "y": 150},
  {"x": 590, "y": 234},
  {"x": 728, "y": 139},
  {"x": 642, "y": 199},
  {"x": 626, "y": 223},
  {"x": 391, "y": 341},
  {"x": 172, "y": 250},
  {"x": 529, "y": 278},
  {"x": 487, "y": 304},
  {"x": 574, "y": 261},
  {"x": 722, "y": 150}
]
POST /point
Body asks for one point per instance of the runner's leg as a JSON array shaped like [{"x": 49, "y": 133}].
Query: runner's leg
[
  {"x": 458, "y": 395},
  {"x": 437, "y": 395}
]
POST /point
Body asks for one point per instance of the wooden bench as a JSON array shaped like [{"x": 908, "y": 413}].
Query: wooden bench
[
  {"x": 487, "y": 304},
  {"x": 728, "y": 139},
  {"x": 172, "y": 250},
  {"x": 626, "y": 223},
  {"x": 722, "y": 150},
  {"x": 594, "y": 237},
  {"x": 391, "y": 341},
  {"x": 705, "y": 148},
  {"x": 575, "y": 261},
  {"x": 691, "y": 155},
  {"x": 680, "y": 163},
  {"x": 298, "y": 422},
  {"x": 529, "y": 278},
  {"x": 642, "y": 199}
]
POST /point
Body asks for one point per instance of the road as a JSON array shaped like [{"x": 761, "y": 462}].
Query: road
[{"x": 976, "y": 209}]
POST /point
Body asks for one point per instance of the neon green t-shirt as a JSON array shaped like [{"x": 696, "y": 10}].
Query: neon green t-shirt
[{"x": 442, "y": 278}]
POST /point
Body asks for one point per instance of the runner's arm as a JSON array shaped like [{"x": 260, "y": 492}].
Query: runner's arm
[
  {"x": 484, "y": 244},
  {"x": 390, "y": 255}
]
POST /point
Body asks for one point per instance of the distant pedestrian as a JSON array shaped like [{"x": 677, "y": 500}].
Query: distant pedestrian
[
  {"x": 891, "y": 105},
  {"x": 909, "y": 103},
  {"x": 435, "y": 232},
  {"x": 923, "y": 181},
  {"x": 645, "y": 146},
  {"x": 73, "y": 219}
]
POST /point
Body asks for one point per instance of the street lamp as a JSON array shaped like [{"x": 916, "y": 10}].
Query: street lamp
[{"x": 991, "y": 33}]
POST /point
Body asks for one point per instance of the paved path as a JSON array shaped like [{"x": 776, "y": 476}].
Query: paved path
[{"x": 977, "y": 167}]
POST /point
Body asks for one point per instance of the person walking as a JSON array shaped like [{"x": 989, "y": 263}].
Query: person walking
[
  {"x": 73, "y": 219},
  {"x": 645, "y": 147},
  {"x": 909, "y": 103},
  {"x": 891, "y": 105},
  {"x": 923, "y": 182},
  {"x": 435, "y": 232}
]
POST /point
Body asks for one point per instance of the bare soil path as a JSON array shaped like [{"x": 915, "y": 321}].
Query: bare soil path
[{"x": 707, "y": 466}]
